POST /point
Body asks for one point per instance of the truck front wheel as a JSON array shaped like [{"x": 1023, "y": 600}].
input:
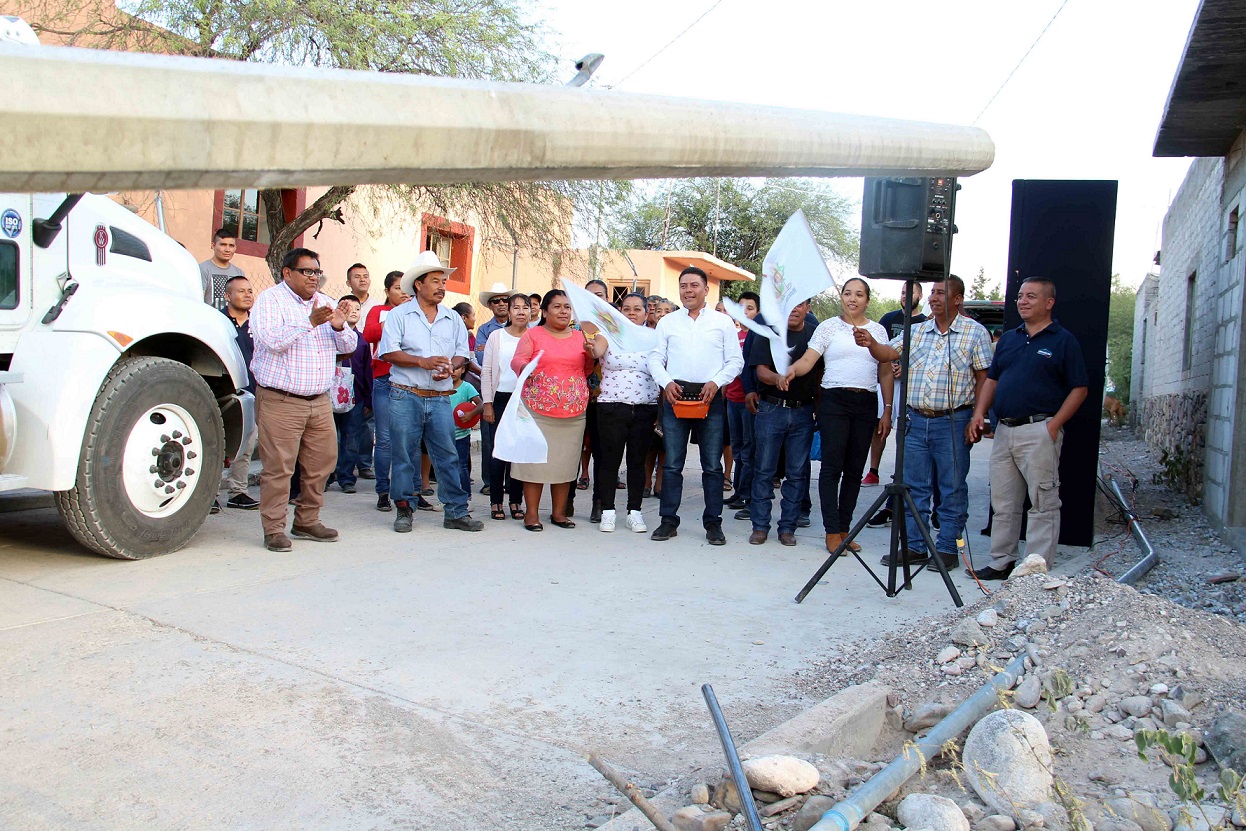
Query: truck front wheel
[{"x": 150, "y": 464}]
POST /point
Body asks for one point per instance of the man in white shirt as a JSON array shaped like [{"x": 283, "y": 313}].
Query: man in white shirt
[{"x": 698, "y": 353}]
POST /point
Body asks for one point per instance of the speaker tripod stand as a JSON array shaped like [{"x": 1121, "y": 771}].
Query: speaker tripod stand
[{"x": 897, "y": 497}]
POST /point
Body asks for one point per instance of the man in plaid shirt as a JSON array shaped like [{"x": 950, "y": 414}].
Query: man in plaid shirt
[
  {"x": 947, "y": 369},
  {"x": 298, "y": 334}
]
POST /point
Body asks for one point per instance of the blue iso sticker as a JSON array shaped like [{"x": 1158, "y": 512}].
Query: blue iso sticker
[{"x": 11, "y": 223}]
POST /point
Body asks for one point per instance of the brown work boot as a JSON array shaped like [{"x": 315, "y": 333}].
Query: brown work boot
[
  {"x": 787, "y": 538},
  {"x": 833, "y": 541},
  {"x": 758, "y": 537},
  {"x": 316, "y": 532},
  {"x": 278, "y": 542},
  {"x": 852, "y": 546}
]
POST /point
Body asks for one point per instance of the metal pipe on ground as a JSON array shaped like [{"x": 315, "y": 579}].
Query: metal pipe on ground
[
  {"x": 1150, "y": 558},
  {"x": 847, "y": 814}
]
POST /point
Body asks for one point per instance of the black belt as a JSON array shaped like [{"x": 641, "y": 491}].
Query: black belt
[
  {"x": 940, "y": 413},
  {"x": 783, "y": 402},
  {"x": 1021, "y": 422},
  {"x": 291, "y": 394}
]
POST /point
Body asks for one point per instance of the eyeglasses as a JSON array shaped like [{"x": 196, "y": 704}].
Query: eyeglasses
[{"x": 309, "y": 272}]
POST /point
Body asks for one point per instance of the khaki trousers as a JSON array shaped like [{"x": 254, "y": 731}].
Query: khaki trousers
[
  {"x": 238, "y": 473},
  {"x": 293, "y": 430},
  {"x": 1025, "y": 462}
]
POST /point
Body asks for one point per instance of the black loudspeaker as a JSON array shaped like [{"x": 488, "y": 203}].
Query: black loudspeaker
[
  {"x": 1063, "y": 230},
  {"x": 906, "y": 228}
]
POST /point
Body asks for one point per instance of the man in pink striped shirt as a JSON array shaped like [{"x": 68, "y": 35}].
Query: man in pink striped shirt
[{"x": 298, "y": 334}]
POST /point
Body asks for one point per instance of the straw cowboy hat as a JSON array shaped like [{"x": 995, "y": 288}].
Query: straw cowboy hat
[
  {"x": 426, "y": 262},
  {"x": 494, "y": 291}
]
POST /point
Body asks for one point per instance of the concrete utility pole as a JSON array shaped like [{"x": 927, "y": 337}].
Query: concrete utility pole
[{"x": 376, "y": 128}]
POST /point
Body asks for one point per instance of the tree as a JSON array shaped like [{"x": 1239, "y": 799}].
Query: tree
[
  {"x": 735, "y": 220},
  {"x": 1121, "y": 337},
  {"x": 981, "y": 290},
  {"x": 487, "y": 39}
]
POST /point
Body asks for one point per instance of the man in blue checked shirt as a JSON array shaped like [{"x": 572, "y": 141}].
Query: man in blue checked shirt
[{"x": 947, "y": 370}]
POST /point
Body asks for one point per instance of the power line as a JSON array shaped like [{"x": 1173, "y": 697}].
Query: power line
[
  {"x": 1023, "y": 57},
  {"x": 713, "y": 6}
]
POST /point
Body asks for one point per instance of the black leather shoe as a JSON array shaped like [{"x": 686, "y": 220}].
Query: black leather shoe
[
  {"x": 914, "y": 558},
  {"x": 949, "y": 560},
  {"x": 664, "y": 532},
  {"x": 988, "y": 573},
  {"x": 595, "y": 514},
  {"x": 803, "y": 521},
  {"x": 714, "y": 533},
  {"x": 736, "y": 502},
  {"x": 744, "y": 513},
  {"x": 880, "y": 520}
]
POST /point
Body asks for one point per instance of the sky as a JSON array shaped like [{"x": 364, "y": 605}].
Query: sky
[{"x": 1085, "y": 103}]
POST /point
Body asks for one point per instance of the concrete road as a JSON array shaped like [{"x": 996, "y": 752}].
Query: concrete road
[{"x": 431, "y": 680}]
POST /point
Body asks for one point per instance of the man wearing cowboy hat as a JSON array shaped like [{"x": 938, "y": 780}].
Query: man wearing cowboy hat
[{"x": 424, "y": 341}]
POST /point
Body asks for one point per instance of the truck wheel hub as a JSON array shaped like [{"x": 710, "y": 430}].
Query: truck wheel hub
[{"x": 160, "y": 467}]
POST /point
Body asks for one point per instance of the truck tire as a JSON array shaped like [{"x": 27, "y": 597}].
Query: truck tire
[{"x": 150, "y": 464}]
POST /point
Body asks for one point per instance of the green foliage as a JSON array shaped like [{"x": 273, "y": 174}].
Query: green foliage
[
  {"x": 1178, "y": 751},
  {"x": 482, "y": 39},
  {"x": 1121, "y": 337},
  {"x": 735, "y": 220},
  {"x": 980, "y": 289}
]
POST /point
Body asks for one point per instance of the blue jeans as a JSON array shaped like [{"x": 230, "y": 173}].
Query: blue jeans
[
  {"x": 463, "y": 447},
  {"x": 366, "y": 443},
  {"x": 740, "y": 425},
  {"x": 675, "y": 434},
  {"x": 935, "y": 453},
  {"x": 380, "y": 419},
  {"x": 413, "y": 419},
  {"x": 348, "y": 426},
  {"x": 788, "y": 430}
]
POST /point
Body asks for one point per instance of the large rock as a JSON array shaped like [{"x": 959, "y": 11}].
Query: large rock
[
  {"x": 845, "y": 725},
  {"x": 811, "y": 812},
  {"x": 1055, "y": 817},
  {"x": 696, "y": 818},
  {"x": 1225, "y": 739},
  {"x": 1007, "y": 760},
  {"x": 927, "y": 716},
  {"x": 1032, "y": 564},
  {"x": 968, "y": 633},
  {"x": 1186, "y": 818},
  {"x": 921, "y": 810},
  {"x": 1113, "y": 823},
  {"x": 1142, "y": 812},
  {"x": 784, "y": 775},
  {"x": 1029, "y": 692},
  {"x": 996, "y": 822},
  {"x": 1136, "y": 705}
]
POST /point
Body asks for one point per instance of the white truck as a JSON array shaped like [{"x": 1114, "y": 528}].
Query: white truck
[{"x": 119, "y": 388}]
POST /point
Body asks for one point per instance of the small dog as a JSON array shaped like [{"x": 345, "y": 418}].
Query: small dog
[{"x": 1115, "y": 411}]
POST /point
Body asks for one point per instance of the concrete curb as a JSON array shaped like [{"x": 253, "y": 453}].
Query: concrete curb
[{"x": 25, "y": 499}]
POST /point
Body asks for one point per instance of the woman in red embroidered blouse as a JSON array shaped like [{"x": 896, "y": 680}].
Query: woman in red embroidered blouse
[{"x": 557, "y": 395}]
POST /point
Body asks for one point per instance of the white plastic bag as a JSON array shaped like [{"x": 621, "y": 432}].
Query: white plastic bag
[
  {"x": 518, "y": 438},
  {"x": 343, "y": 390}
]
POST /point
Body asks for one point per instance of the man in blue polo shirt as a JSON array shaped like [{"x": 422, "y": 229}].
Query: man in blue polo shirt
[{"x": 1037, "y": 381}]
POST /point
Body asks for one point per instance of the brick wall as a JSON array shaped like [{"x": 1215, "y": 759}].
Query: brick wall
[{"x": 1188, "y": 404}]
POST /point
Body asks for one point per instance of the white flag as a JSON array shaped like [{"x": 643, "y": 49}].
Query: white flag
[
  {"x": 792, "y": 272},
  {"x": 623, "y": 335},
  {"x": 518, "y": 438},
  {"x": 778, "y": 342}
]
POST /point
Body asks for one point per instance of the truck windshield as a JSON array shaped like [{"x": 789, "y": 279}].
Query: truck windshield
[{"x": 8, "y": 275}]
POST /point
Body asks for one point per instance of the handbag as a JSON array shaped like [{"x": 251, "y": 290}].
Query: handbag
[
  {"x": 343, "y": 390},
  {"x": 815, "y": 449}
]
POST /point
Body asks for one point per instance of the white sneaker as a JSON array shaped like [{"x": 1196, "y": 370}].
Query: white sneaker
[
  {"x": 636, "y": 522},
  {"x": 607, "y": 521}
]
